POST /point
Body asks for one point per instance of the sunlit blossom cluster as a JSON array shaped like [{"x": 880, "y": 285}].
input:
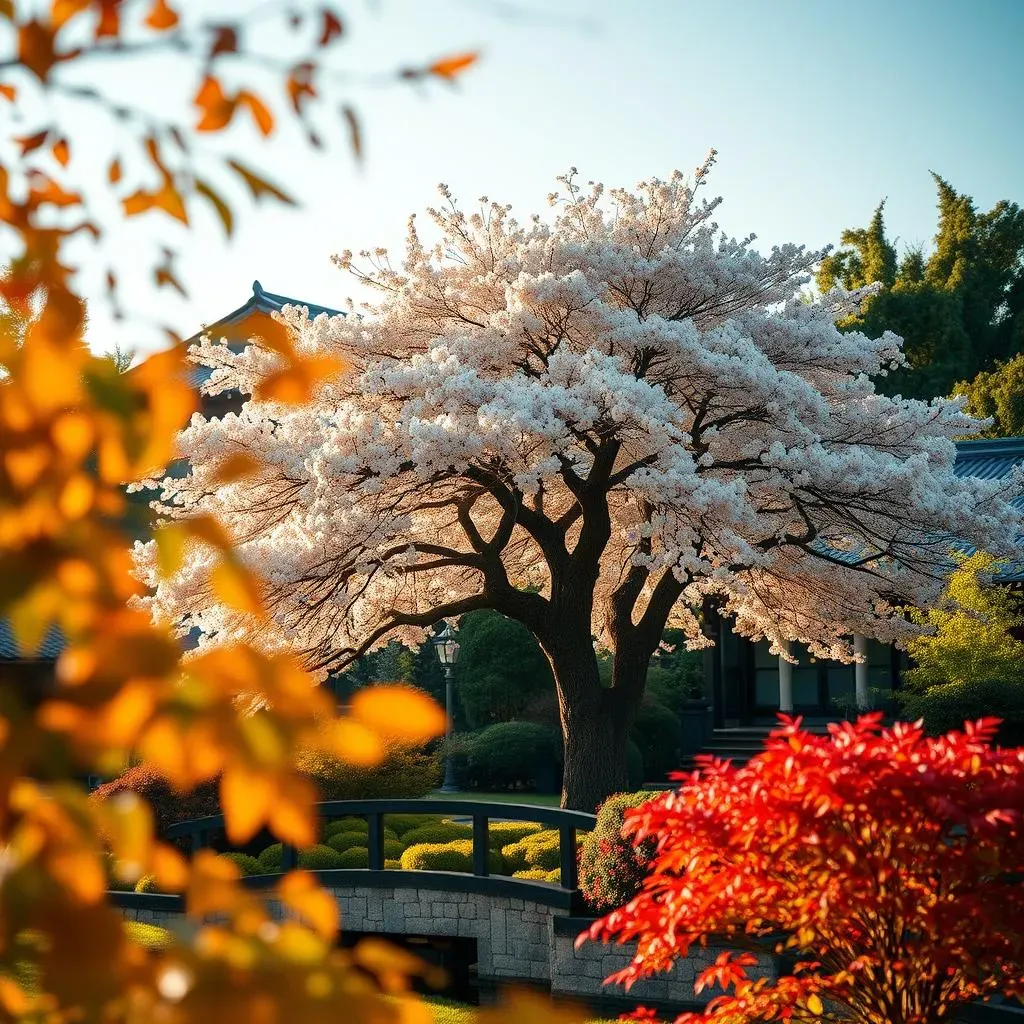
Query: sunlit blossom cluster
[{"x": 622, "y": 359}]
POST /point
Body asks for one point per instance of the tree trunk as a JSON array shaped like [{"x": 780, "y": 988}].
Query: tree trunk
[
  {"x": 595, "y": 727},
  {"x": 595, "y": 740}
]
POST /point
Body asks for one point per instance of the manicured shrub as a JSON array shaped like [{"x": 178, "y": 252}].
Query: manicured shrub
[
  {"x": 246, "y": 864},
  {"x": 442, "y": 832},
  {"x": 343, "y": 841},
  {"x": 392, "y": 865},
  {"x": 147, "y": 883},
  {"x": 319, "y": 858},
  {"x": 271, "y": 858},
  {"x": 393, "y": 849},
  {"x": 657, "y": 731},
  {"x": 513, "y": 755},
  {"x": 149, "y": 936},
  {"x": 539, "y": 850},
  {"x": 539, "y": 874},
  {"x": 168, "y": 805},
  {"x": 947, "y": 707},
  {"x": 353, "y": 857},
  {"x": 349, "y": 824},
  {"x": 454, "y": 856},
  {"x": 403, "y": 823},
  {"x": 611, "y": 868},
  {"x": 404, "y": 772},
  {"x": 501, "y": 833}
]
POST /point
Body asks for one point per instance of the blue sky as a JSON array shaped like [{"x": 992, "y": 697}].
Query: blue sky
[{"x": 818, "y": 110}]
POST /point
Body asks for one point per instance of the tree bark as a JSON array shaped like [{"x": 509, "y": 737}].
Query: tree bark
[{"x": 595, "y": 727}]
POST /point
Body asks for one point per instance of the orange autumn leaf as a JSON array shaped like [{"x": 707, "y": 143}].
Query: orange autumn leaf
[
  {"x": 451, "y": 67},
  {"x": 399, "y": 713},
  {"x": 331, "y": 26},
  {"x": 236, "y": 587},
  {"x": 258, "y": 185},
  {"x": 161, "y": 16},
  {"x": 237, "y": 467},
  {"x": 217, "y": 109},
  {"x": 109, "y": 24},
  {"x": 300, "y": 892},
  {"x": 293, "y": 817},
  {"x": 225, "y": 40},
  {"x": 296, "y": 383},
  {"x": 28, "y": 143},
  {"x": 9, "y": 92},
  {"x": 260, "y": 113},
  {"x": 208, "y": 530},
  {"x": 353, "y": 742},
  {"x": 36, "y": 48},
  {"x": 246, "y": 798},
  {"x": 61, "y": 152},
  {"x": 114, "y": 171}
]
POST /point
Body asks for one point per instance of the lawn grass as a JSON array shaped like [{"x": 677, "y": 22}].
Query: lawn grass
[
  {"x": 533, "y": 799},
  {"x": 448, "y": 1012}
]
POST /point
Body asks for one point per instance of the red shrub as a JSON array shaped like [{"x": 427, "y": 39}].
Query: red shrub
[
  {"x": 890, "y": 864},
  {"x": 168, "y": 805}
]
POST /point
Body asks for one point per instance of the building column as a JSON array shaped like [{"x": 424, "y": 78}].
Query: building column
[
  {"x": 785, "y": 683},
  {"x": 860, "y": 672}
]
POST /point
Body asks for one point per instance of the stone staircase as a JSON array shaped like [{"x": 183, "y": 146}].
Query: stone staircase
[{"x": 741, "y": 743}]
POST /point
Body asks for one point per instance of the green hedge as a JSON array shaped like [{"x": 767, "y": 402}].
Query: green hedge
[
  {"x": 512, "y": 755},
  {"x": 320, "y": 858},
  {"x": 501, "y": 833},
  {"x": 342, "y": 841},
  {"x": 349, "y": 824},
  {"x": 246, "y": 864},
  {"x": 948, "y": 706},
  {"x": 453, "y": 856},
  {"x": 402, "y": 823},
  {"x": 442, "y": 832},
  {"x": 658, "y": 734},
  {"x": 354, "y": 857},
  {"x": 271, "y": 858}
]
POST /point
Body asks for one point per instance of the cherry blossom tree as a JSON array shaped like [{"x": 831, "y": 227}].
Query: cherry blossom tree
[{"x": 593, "y": 424}]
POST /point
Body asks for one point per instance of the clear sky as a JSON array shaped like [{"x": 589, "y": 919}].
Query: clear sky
[{"x": 818, "y": 110}]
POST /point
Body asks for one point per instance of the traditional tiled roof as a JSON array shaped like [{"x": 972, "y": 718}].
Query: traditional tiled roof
[
  {"x": 260, "y": 303},
  {"x": 989, "y": 459}
]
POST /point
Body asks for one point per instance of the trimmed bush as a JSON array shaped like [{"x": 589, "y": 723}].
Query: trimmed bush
[
  {"x": 658, "y": 733},
  {"x": 343, "y": 841},
  {"x": 392, "y": 865},
  {"x": 948, "y": 706},
  {"x": 539, "y": 850},
  {"x": 168, "y": 805},
  {"x": 246, "y": 864},
  {"x": 453, "y": 856},
  {"x": 501, "y": 833},
  {"x": 403, "y": 823},
  {"x": 147, "y": 883},
  {"x": 149, "y": 936},
  {"x": 539, "y": 875},
  {"x": 271, "y": 859},
  {"x": 393, "y": 849},
  {"x": 611, "y": 868},
  {"x": 404, "y": 772},
  {"x": 319, "y": 858},
  {"x": 513, "y": 755},
  {"x": 353, "y": 857},
  {"x": 443, "y": 832},
  {"x": 349, "y": 824}
]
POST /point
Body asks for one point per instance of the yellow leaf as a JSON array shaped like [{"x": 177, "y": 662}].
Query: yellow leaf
[
  {"x": 213, "y": 885},
  {"x": 73, "y": 434},
  {"x": 170, "y": 547},
  {"x": 260, "y": 114},
  {"x": 299, "y": 891},
  {"x": 77, "y": 496},
  {"x": 170, "y": 868},
  {"x": 815, "y": 1005},
  {"x": 246, "y": 798},
  {"x": 236, "y": 587},
  {"x": 399, "y": 712},
  {"x": 354, "y": 743},
  {"x": 293, "y": 813},
  {"x": 206, "y": 528}
]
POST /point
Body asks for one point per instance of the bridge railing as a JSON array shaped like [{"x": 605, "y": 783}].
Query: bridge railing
[{"x": 200, "y": 832}]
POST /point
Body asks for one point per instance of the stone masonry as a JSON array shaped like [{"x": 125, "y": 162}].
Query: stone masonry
[{"x": 515, "y": 939}]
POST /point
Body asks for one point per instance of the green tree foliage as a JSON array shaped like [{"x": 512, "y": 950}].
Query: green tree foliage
[
  {"x": 999, "y": 394},
  {"x": 960, "y": 310},
  {"x": 974, "y": 639},
  {"x": 501, "y": 669}
]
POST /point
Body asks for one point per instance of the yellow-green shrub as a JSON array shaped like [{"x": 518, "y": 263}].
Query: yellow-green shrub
[
  {"x": 442, "y": 832},
  {"x": 538, "y": 850},
  {"x": 539, "y": 874},
  {"x": 319, "y": 858},
  {"x": 501, "y": 833},
  {"x": 453, "y": 856},
  {"x": 404, "y": 772},
  {"x": 342, "y": 841},
  {"x": 402, "y": 823},
  {"x": 150, "y": 936},
  {"x": 147, "y": 883},
  {"x": 393, "y": 849},
  {"x": 392, "y": 865},
  {"x": 354, "y": 857},
  {"x": 246, "y": 864}
]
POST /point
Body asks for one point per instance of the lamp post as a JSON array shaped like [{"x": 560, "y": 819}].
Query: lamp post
[{"x": 446, "y": 644}]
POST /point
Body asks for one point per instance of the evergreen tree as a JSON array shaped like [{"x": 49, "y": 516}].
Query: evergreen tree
[
  {"x": 998, "y": 394},
  {"x": 959, "y": 310}
]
